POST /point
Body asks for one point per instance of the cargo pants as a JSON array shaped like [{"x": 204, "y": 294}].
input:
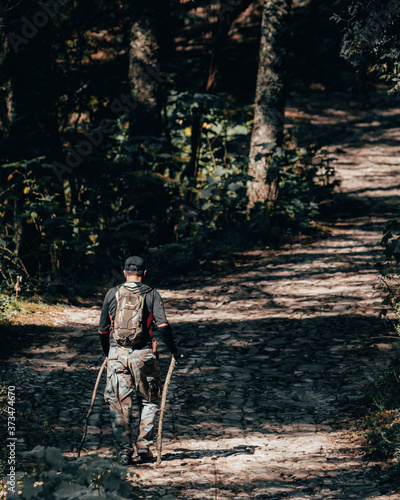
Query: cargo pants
[{"x": 132, "y": 371}]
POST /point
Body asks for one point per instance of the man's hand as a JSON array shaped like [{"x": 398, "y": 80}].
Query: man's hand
[{"x": 178, "y": 354}]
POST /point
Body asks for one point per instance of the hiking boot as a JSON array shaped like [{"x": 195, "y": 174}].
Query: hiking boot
[
  {"x": 145, "y": 455},
  {"x": 124, "y": 458}
]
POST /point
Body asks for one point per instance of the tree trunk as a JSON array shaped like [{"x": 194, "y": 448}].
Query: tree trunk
[
  {"x": 270, "y": 95},
  {"x": 144, "y": 75}
]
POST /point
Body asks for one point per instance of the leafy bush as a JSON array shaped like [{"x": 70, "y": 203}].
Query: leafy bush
[
  {"x": 371, "y": 40},
  {"x": 56, "y": 477},
  {"x": 188, "y": 187},
  {"x": 389, "y": 270},
  {"x": 383, "y": 399},
  {"x": 56, "y": 234},
  {"x": 383, "y": 434},
  {"x": 383, "y": 421},
  {"x": 8, "y": 308},
  {"x": 300, "y": 183},
  {"x": 213, "y": 200},
  {"x": 35, "y": 226}
]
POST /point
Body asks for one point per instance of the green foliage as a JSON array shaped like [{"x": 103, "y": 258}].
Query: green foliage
[
  {"x": 299, "y": 184},
  {"x": 389, "y": 270},
  {"x": 383, "y": 421},
  {"x": 56, "y": 477},
  {"x": 35, "y": 232},
  {"x": 371, "y": 39},
  {"x": 66, "y": 230},
  {"x": 383, "y": 434},
  {"x": 220, "y": 183},
  {"x": 58, "y": 236},
  {"x": 194, "y": 207},
  {"x": 9, "y": 308},
  {"x": 3, "y": 398},
  {"x": 53, "y": 231}
]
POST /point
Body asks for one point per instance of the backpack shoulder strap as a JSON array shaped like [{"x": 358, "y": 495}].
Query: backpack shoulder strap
[
  {"x": 142, "y": 288},
  {"x": 118, "y": 287}
]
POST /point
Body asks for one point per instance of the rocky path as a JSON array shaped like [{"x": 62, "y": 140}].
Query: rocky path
[{"x": 278, "y": 348}]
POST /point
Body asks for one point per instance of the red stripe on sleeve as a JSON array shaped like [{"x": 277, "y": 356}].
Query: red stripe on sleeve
[{"x": 149, "y": 324}]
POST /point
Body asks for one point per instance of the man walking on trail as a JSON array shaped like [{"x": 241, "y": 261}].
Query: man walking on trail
[{"x": 127, "y": 316}]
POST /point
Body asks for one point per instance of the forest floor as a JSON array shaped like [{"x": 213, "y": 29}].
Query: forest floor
[{"x": 278, "y": 344}]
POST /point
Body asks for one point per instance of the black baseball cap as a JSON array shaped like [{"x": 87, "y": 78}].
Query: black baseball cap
[{"x": 134, "y": 263}]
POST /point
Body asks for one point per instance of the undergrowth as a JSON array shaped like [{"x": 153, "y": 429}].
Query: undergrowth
[
  {"x": 57, "y": 477},
  {"x": 382, "y": 424},
  {"x": 9, "y": 308},
  {"x": 13, "y": 311},
  {"x": 157, "y": 207}
]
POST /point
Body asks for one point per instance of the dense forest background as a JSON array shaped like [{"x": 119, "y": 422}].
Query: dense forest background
[{"x": 126, "y": 127}]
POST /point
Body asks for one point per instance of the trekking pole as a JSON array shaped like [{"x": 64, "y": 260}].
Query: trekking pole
[
  {"x": 91, "y": 405},
  {"x": 162, "y": 408}
]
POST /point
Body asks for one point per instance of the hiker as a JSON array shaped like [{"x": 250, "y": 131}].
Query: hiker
[{"x": 127, "y": 316}]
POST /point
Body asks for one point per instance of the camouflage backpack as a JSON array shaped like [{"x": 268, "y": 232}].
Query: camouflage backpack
[{"x": 128, "y": 323}]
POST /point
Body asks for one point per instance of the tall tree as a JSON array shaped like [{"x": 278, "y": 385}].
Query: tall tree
[{"x": 270, "y": 94}]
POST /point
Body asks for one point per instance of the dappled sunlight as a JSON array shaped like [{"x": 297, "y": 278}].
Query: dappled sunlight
[
  {"x": 363, "y": 142},
  {"x": 330, "y": 277},
  {"x": 263, "y": 465},
  {"x": 260, "y": 405}
]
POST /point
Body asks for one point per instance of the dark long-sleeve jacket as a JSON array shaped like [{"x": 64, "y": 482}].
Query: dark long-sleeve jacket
[{"x": 153, "y": 313}]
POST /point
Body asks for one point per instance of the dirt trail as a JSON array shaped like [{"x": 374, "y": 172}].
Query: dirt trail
[{"x": 277, "y": 348}]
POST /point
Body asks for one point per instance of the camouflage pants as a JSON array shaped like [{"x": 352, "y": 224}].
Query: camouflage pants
[{"x": 129, "y": 372}]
